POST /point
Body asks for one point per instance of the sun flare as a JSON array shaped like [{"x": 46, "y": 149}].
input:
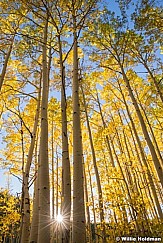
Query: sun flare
[{"x": 59, "y": 218}]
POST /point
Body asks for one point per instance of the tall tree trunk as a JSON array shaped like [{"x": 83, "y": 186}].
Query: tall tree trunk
[
  {"x": 34, "y": 223},
  {"x": 79, "y": 231},
  {"x": 26, "y": 199},
  {"x": 35, "y": 212},
  {"x": 44, "y": 187},
  {"x": 66, "y": 176},
  {"x": 52, "y": 182},
  {"x": 57, "y": 194},
  {"x": 52, "y": 166}
]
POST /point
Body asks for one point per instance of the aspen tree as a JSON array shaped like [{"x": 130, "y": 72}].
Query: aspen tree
[
  {"x": 78, "y": 231},
  {"x": 35, "y": 213},
  {"x": 57, "y": 191},
  {"x": 124, "y": 141},
  {"x": 43, "y": 171},
  {"x": 26, "y": 199},
  {"x": 66, "y": 193},
  {"x": 119, "y": 59},
  {"x": 52, "y": 167},
  {"x": 66, "y": 176}
]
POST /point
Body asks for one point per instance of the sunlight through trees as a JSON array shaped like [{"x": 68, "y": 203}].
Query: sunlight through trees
[{"x": 81, "y": 121}]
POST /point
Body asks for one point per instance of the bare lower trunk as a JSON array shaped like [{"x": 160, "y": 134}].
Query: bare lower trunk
[
  {"x": 57, "y": 182},
  {"x": 34, "y": 223}
]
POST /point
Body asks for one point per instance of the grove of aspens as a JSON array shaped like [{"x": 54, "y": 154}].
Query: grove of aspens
[{"x": 81, "y": 121}]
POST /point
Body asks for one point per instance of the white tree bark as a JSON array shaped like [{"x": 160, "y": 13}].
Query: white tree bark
[
  {"x": 66, "y": 177},
  {"x": 44, "y": 187},
  {"x": 26, "y": 199},
  {"x": 79, "y": 231}
]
